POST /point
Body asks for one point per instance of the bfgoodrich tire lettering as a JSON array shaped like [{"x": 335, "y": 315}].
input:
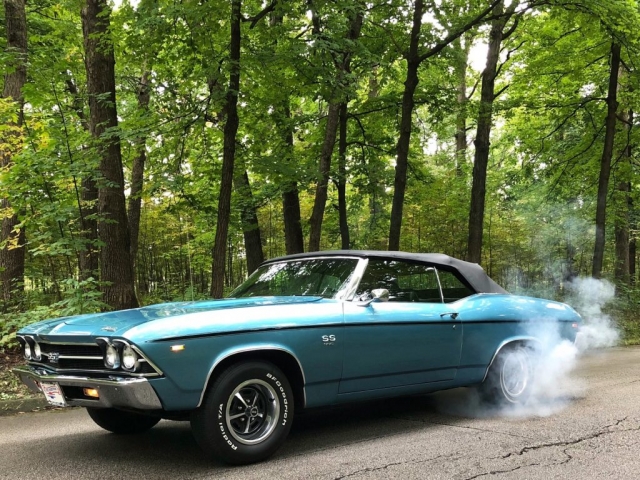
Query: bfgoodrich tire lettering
[
  {"x": 510, "y": 377},
  {"x": 246, "y": 414},
  {"x": 118, "y": 421}
]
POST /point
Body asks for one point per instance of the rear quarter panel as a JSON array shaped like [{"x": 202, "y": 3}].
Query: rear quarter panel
[{"x": 490, "y": 321}]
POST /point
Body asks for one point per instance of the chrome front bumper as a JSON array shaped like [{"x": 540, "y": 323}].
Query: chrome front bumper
[{"x": 123, "y": 392}]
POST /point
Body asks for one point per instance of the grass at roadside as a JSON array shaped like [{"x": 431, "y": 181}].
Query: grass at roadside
[{"x": 11, "y": 388}]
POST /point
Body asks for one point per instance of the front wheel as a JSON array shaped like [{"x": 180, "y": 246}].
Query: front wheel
[
  {"x": 246, "y": 414},
  {"x": 510, "y": 377},
  {"x": 121, "y": 422}
]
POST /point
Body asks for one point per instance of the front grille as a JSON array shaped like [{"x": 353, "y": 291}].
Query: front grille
[
  {"x": 79, "y": 358},
  {"x": 79, "y": 364},
  {"x": 72, "y": 350}
]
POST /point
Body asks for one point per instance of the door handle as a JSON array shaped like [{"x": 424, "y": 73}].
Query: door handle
[{"x": 453, "y": 315}]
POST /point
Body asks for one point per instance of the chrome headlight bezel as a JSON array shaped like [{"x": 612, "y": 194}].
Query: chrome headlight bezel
[
  {"x": 130, "y": 358},
  {"x": 111, "y": 357},
  {"x": 30, "y": 348},
  {"x": 37, "y": 351}
]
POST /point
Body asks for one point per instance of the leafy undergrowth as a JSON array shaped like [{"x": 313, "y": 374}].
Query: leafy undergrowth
[
  {"x": 625, "y": 313},
  {"x": 11, "y": 388}
]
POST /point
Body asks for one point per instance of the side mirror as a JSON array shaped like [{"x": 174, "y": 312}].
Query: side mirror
[{"x": 377, "y": 295}]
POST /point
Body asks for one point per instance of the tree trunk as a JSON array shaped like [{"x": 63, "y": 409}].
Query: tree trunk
[
  {"x": 228, "y": 155},
  {"x": 88, "y": 208},
  {"x": 330, "y": 134},
  {"x": 293, "y": 238},
  {"x": 483, "y": 138},
  {"x": 414, "y": 59},
  {"x": 621, "y": 230},
  {"x": 402, "y": 147},
  {"x": 605, "y": 162},
  {"x": 88, "y": 263},
  {"x": 12, "y": 255},
  {"x": 137, "y": 172},
  {"x": 342, "y": 179},
  {"x": 622, "y": 224},
  {"x": 115, "y": 264},
  {"x": 462, "y": 100},
  {"x": 317, "y": 215},
  {"x": 250, "y": 225}
]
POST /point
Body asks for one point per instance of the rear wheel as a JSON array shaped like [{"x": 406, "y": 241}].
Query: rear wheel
[
  {"x": 121, "y": 422},
  {"x": 246, "y": 414},
  {"x": 510, "y": 377}
]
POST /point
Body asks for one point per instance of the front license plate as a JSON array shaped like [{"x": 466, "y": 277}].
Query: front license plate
[{"x": 53, "y": 394}]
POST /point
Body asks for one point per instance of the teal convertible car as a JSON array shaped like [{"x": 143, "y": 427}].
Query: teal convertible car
[{"x": 303, "y": 331}]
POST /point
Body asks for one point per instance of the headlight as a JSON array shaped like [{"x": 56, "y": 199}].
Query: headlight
[
  {"x": 37, "y": 353},
  {"x": 111, "y": 358},
  {"x": 129, "y": 358},
  {"x": 27, "y": 351}
]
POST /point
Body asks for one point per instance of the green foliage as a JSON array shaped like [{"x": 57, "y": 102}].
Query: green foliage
[
  {"x": 546, "y": 141},
  {"x": 77, "y": 297}
]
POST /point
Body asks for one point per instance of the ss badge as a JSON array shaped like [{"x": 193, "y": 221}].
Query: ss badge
[{"x": 328, "y": 339}]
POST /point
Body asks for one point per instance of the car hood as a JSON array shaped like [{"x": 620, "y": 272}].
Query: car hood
[{"x": 116, "y": 323}]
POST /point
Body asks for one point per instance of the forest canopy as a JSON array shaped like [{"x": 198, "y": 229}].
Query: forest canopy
[{"x": 153, "y": 150}]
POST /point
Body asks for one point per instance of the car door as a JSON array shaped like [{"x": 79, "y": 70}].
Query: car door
[{"x": 413, "y": 338}]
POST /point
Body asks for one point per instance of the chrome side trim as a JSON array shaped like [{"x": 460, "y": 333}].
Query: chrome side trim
[
  {"x": 136, "y": 393},
  {"x": 504, "y": 344},
  {"x": 254, "y": 349}
]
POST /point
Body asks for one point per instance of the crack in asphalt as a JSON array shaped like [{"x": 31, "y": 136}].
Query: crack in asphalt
[
  {"x": 419, "y": 420},
  {"x": 394, "y": 464},
  {"x": 564, "y": 443},
  {"x": 567, "y": 443}
]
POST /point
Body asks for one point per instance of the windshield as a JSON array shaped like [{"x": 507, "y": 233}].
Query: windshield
[{"x": 322, "y": 277}]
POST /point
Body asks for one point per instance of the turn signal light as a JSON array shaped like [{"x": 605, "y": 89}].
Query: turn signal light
[{"x": 91, "y": 392}]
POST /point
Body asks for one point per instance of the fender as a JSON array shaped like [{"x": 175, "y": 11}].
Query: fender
[
  {"x": 508, "y": 341},
  {"x": 252, "y": 348}
]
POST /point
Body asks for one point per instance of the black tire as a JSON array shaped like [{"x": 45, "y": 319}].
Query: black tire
[
  {"x": 262, "y": 398},
  {"x": 510, "y": 377},
  {"x": 121, "y": 422}
]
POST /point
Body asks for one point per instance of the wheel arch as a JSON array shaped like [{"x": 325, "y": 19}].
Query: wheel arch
[
  {"x": 281, "y": 357},
  {"x": 511, "y": 342}
]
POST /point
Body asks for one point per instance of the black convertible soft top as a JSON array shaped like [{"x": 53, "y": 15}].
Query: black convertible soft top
[{"x": 471, "y": 272}]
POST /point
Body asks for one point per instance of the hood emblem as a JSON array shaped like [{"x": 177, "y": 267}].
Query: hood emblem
[{"x": 109, "y": 329}]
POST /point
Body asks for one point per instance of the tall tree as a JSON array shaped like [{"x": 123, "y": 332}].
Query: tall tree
[
  {"x": 343, "y": 80},
  {"x": 622, "y": 217},
  {"x": 88, "y": 261},
  {"x": 137, "y": 172},
  {"x": 115, "y": 265},
  {"x": 414, "y": 58},
  {"x": 12, "y": 235},
  {"x": 462, "y": 48},
  {"x": 250, "y": 225},
  {"x": 229, "y": 153},
  {"x": 293, "y": 238},
  {"x": 605, "y": 161},
  {"x": 342, "y": 178},
  {"x": 482, "y": 141}
]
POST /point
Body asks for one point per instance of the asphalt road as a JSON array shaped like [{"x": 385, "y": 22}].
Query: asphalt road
[{"x": 588, "y": 428}]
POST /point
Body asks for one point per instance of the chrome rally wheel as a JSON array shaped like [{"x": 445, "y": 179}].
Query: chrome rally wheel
[
  {"x": 246, "y": 413},
  {"x": 252, "y": 411}
]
